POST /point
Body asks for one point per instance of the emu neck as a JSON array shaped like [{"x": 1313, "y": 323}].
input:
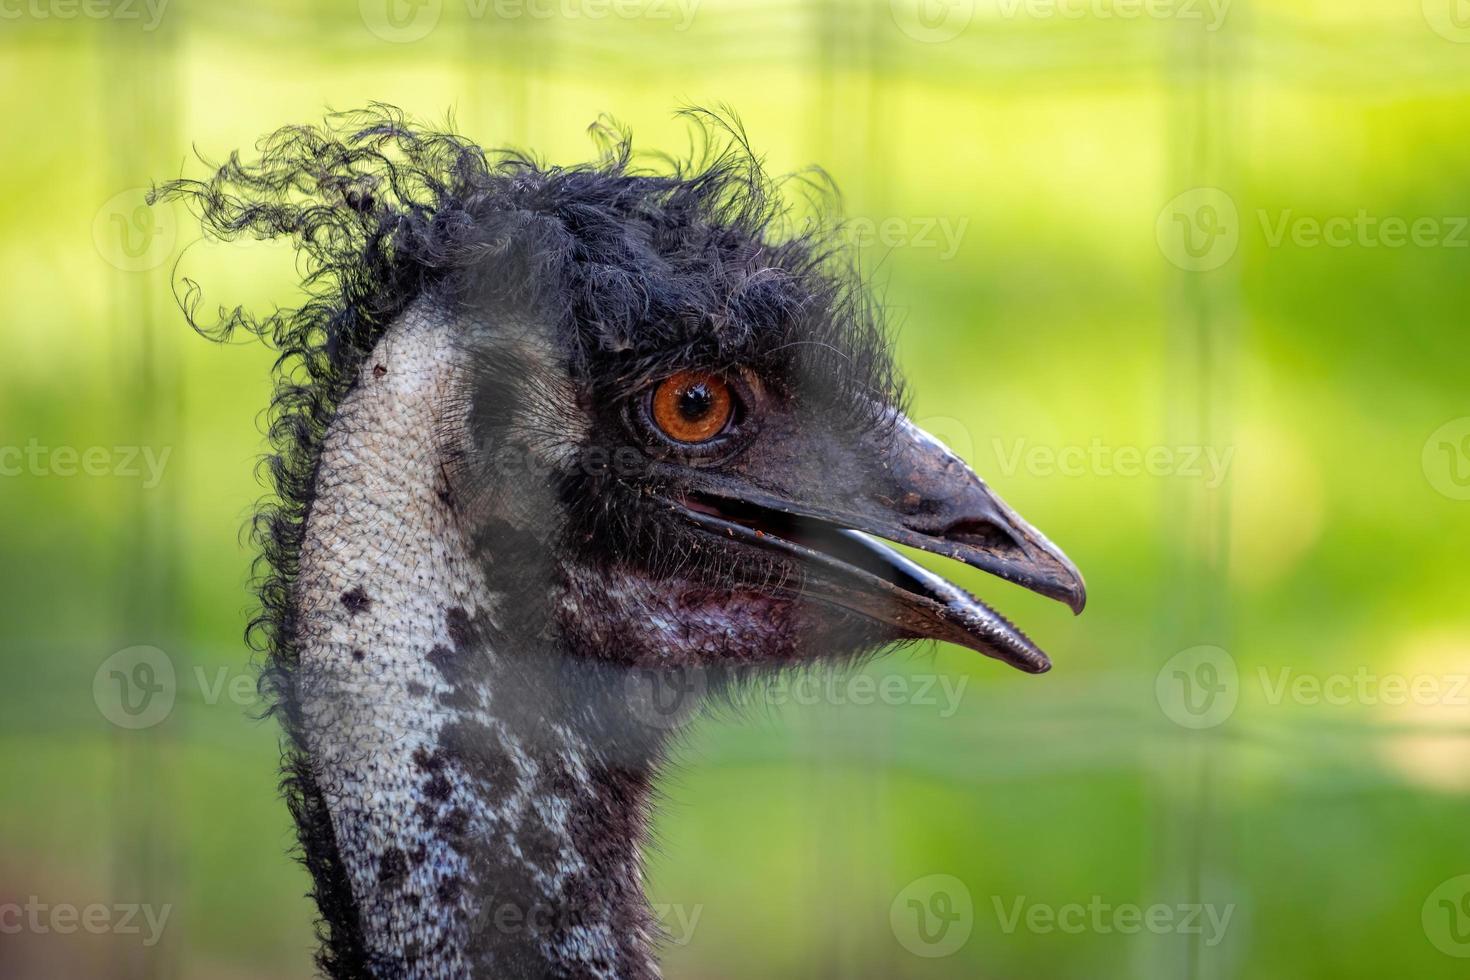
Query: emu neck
[{"x": 460, "y": 817}]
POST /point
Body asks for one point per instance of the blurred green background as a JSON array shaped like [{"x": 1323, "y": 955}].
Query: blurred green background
[{"x": 1185, "y": 281}]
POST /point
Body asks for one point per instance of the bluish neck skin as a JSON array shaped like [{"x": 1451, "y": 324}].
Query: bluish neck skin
[{"x": 461, "y": 801}]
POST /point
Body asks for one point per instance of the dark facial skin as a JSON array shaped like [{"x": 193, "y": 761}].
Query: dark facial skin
[{"x": 736, "y": 550}]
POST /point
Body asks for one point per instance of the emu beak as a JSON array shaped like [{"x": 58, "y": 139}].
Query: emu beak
[{"x": 904, "y": 486}]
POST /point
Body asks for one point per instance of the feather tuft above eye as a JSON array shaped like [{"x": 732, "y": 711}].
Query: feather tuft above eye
[{"x": 634, "y": 267}]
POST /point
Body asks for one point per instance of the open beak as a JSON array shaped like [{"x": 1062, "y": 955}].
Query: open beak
[{"x": 916, "y": 493}]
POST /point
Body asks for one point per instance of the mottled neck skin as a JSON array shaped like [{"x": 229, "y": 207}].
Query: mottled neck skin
[{"x": 476, "y": 810}]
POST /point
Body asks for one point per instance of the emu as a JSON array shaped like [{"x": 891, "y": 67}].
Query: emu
[{"x": 561, "y": 456}]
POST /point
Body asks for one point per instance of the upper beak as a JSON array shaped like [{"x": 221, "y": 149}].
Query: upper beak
[
  {"x": 947, "y": 509},
  {"x": 923, "y": 496}
]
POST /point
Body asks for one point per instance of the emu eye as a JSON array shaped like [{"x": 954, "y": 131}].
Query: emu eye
[{"x": 692, "y": 406}]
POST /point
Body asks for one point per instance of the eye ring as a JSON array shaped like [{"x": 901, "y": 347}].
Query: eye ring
[{"x": 692, "y": 408}]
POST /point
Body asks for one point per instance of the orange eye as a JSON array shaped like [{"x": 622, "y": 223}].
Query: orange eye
[{"x": 692, "y": 406}]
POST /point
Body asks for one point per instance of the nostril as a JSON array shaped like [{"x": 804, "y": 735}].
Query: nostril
[{"x": 981, "y": 534}]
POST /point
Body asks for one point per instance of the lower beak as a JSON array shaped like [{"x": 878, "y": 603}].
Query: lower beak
[{"x": 929, "y": 500}]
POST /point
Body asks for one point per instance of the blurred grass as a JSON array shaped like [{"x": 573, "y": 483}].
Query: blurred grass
[{"x": 1051, "y": 144}]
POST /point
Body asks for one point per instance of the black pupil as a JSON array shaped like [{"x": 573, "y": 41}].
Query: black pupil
[{"x": 696, "y": 401}]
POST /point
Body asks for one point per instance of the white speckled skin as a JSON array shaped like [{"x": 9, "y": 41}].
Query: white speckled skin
[
  {"x": 474, "y": 845},
  {"x": 377, "y": 524}
]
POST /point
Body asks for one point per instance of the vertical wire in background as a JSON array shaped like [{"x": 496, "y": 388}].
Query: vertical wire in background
[
  {"x": 137, "y": 72},
  {"x": 497, "y": 57},
  {"x": 1202, "y": 312},
  {"x": 869, "y": 164},
  {"x": 827, "y": 828},
  {"x": 844, "y": 114}
]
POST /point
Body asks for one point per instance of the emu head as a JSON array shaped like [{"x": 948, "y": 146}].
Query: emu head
[
  {"x": 541, "y": 431},
  {"x": 685, "y": 427}
]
